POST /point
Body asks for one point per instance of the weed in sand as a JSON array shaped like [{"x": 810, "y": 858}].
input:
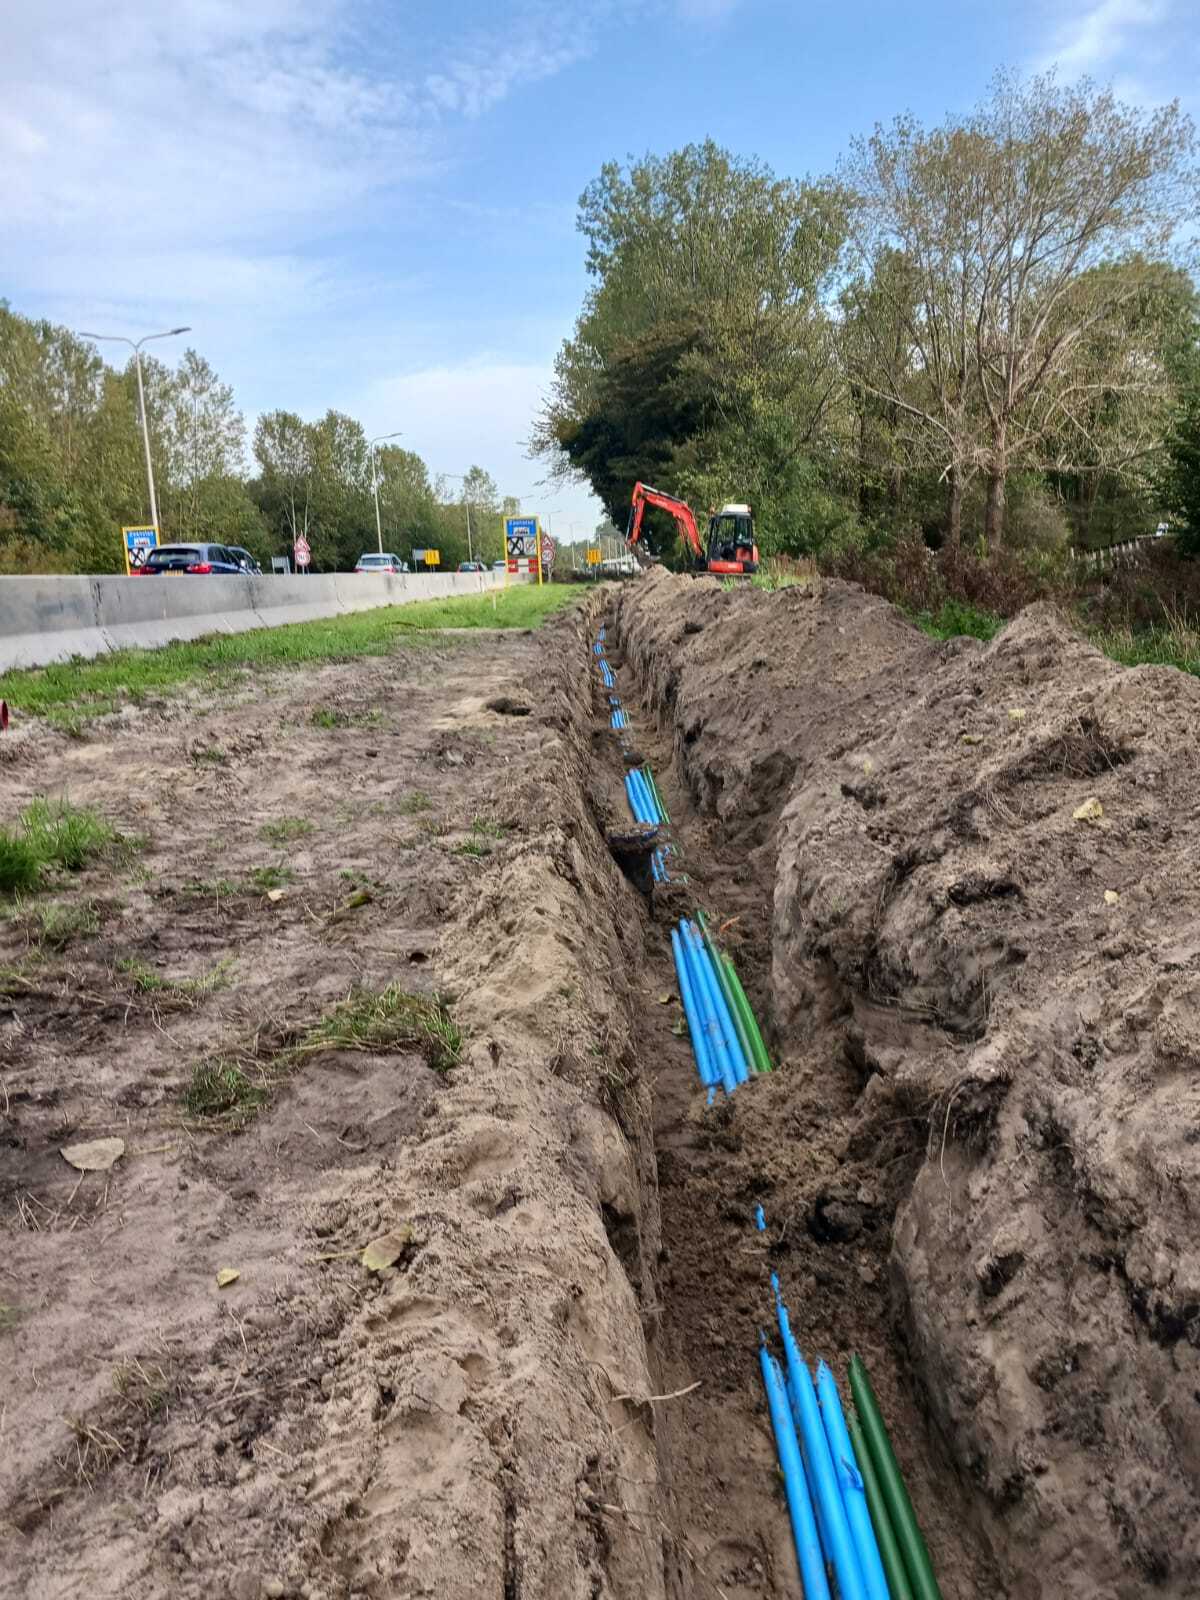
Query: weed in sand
[
  {"x": 50, "y": 834},
  {"x": 20, "y": 867},
  {"x": 210, "y": 755},
  {"x": 223, "y": 1089},
  {"x": 434, "y": 827},
  {"x": 285, "y": 829},
  {"x": 9, "y": 1317},
  {"x": 218, "y": 888},
  {"x": 384, "y": 1020},
  {"x": 415, "y": 801},
  {"x": 487, "y": 828},
  {"x": 328, "y": 717},
  {"x": 264, "y": 879},
  {"x": 55, "y": 926},
  {"x": 146, "y": 1390},
  {"x": 146, "y": 981},
  {"x": 475, "y": 848}
]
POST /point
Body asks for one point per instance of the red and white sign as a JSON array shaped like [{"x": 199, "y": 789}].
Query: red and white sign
[
  {"x": 302, "y": 552},
  {"x": 548, "y": 549}
]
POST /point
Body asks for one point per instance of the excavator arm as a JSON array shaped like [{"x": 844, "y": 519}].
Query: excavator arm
[{"x": 644, "y": 496}]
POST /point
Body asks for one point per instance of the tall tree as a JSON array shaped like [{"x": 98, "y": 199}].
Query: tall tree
[{"x": 1028, "y": 232}]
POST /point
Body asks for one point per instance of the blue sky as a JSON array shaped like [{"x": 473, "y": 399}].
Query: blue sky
[{"x": 371, "y": 205}]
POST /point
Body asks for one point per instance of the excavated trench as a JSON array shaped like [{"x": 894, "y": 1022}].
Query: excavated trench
[{"x": 951, "y": 879}]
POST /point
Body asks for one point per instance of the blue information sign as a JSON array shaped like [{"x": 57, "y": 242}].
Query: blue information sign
[{"x": 138, "y": 543}]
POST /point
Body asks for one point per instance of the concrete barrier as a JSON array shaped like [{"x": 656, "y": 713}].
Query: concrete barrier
[{"x": 52, "y": 619}]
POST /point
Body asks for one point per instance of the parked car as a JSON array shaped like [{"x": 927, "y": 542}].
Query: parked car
[
  {"x": 246, "y": 560},
  {"x": 370, "y": 562},
  {"x": 499, "y": 566},
  {"x": 198, "y": 558},
  {"x": 472, "y": 566}
]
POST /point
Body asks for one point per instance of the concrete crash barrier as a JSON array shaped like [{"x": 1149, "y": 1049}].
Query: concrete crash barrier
[{"x": 43, "y": 620}]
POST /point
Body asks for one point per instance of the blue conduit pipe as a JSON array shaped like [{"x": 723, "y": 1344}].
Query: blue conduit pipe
[
  {"x": 702, "y": 990},
  {"x": 646, "y": 797},
  {"x": 804, "y": 1526},
  {"x": 634, "y": 803},
  {"x": 760, "y": 1219},
  {"x": 737, "y": 1057},
  {"x": 655, "y": 802},
  {"x": 704, "y": 1063},
  {"x": 854, "y": 1494},
  {"x": 834, "y": 1529}
]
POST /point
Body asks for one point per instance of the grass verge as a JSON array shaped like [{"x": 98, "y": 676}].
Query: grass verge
[{"x": 78, "y": 690}]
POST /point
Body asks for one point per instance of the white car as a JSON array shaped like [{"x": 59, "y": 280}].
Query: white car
[{"x": 370, "y": 562}]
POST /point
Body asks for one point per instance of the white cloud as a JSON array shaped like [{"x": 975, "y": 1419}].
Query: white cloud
[
  {"x": 481, "y": 410},
  {"x": 1103, "y": 32}
]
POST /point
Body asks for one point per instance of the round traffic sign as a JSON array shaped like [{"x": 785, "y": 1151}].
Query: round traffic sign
[{"x": 302, "y": 552}]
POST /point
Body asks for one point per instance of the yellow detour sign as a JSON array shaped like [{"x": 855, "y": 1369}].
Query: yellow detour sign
[
  {"x": 593, "y": 557},
  {"x": 432, "y": 557}
]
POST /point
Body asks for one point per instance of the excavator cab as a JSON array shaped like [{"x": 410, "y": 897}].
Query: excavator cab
[{"x": 731, "y": 546}]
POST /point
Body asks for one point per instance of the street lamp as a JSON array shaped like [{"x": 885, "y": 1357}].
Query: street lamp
[
  {"x": 375, "y": 483},
  {"x": 458, "y": 477},
  {"x": 117, "y": 338}
]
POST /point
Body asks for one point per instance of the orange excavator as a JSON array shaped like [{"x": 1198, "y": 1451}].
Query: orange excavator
[{"x": 731, "y": 548}]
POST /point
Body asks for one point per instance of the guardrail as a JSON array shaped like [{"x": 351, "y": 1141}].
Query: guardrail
[{"x": 45, "y": 619}]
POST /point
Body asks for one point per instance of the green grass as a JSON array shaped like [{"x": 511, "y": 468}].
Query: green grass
[
  {"x": 416, "y": 800},
  {"x": 1175, "y": 646},
  {"x": 285, "y": 829},
  {"x": 386, "y": 1020},
  {"x": 49, "y": 834},
  {"x": 79, "y": 690},
  {"x": 265, "y": 878},
  {"x": 223, "y": 1089},
  {"x": 327, "y": 717},
  {"x": 59, "y": 924},
  {"x": 146, "y": 981},
  {"x": 956, "y": 618}
]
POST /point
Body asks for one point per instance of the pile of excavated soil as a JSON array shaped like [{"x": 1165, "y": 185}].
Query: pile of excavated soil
[{"x": 969, "y": 880}]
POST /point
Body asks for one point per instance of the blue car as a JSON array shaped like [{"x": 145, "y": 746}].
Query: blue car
[{"x": 196, "y": 558}]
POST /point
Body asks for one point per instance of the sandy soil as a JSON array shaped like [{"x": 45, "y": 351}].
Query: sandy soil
[
  {"x": 447, "y": 1426},
  {"x": 977, "y": 1154}
]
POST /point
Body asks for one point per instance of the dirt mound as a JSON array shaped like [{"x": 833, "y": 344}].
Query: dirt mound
[{"x": 985, "y": 986}]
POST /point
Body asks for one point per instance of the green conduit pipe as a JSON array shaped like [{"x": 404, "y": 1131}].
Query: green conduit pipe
[
  {"x": 762, "y": 1061},
  {"x": 891, "y": 1483},
  {"x": 666, "y": 815},
  {"x": 735, "y": 1013},
  {"x": 885, "y": 1535}
]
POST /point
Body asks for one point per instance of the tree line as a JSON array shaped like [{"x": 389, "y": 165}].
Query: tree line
[
  {"x": 72, "y": 470},
  {"x": 982, "y": 331}
]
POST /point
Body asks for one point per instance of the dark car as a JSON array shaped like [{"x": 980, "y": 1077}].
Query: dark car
[
  {"x": 198, "y": 558},
  {"x": 471, "y": 566},
  {"x": 245, "y": 560}
]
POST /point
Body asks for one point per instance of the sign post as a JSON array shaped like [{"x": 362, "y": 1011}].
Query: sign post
[
  {"x": 137, "y": 544},
  {"x": 523, "y": 545}
]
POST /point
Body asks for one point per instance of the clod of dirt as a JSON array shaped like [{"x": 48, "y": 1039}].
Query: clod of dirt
[
  {"x": 506, "y": 706},
  {"x": 387, "y": 1249}
]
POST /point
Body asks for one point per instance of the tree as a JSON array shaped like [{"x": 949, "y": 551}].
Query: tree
[
  {"x": 703, "y": 359},
  {"x": 1013, "y": 248}
]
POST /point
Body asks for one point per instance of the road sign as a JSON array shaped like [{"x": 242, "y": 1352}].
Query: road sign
[
  {"x": 302, "y": 552},
  {"x": 522, "y": 545},
  {"x": 418, "y": 556},
  {"x": 432, "y": 557},
  {"x": 594, "y": 555},
  {"x": 549, "y": 550},
  {"x": 138, "y": 543}
]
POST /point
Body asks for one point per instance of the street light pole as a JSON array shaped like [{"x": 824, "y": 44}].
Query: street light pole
[
  {"x": 458, "y": 478},
  {"x": 116, "y": 338},
  {"x": 375, "y": 483}
]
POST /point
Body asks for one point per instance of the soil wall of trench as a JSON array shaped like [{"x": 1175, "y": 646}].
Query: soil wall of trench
[{"x": 970, "y": 884}]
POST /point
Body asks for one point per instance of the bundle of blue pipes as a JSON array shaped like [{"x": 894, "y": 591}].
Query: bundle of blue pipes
[{"x": 846, "y": 1543}]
